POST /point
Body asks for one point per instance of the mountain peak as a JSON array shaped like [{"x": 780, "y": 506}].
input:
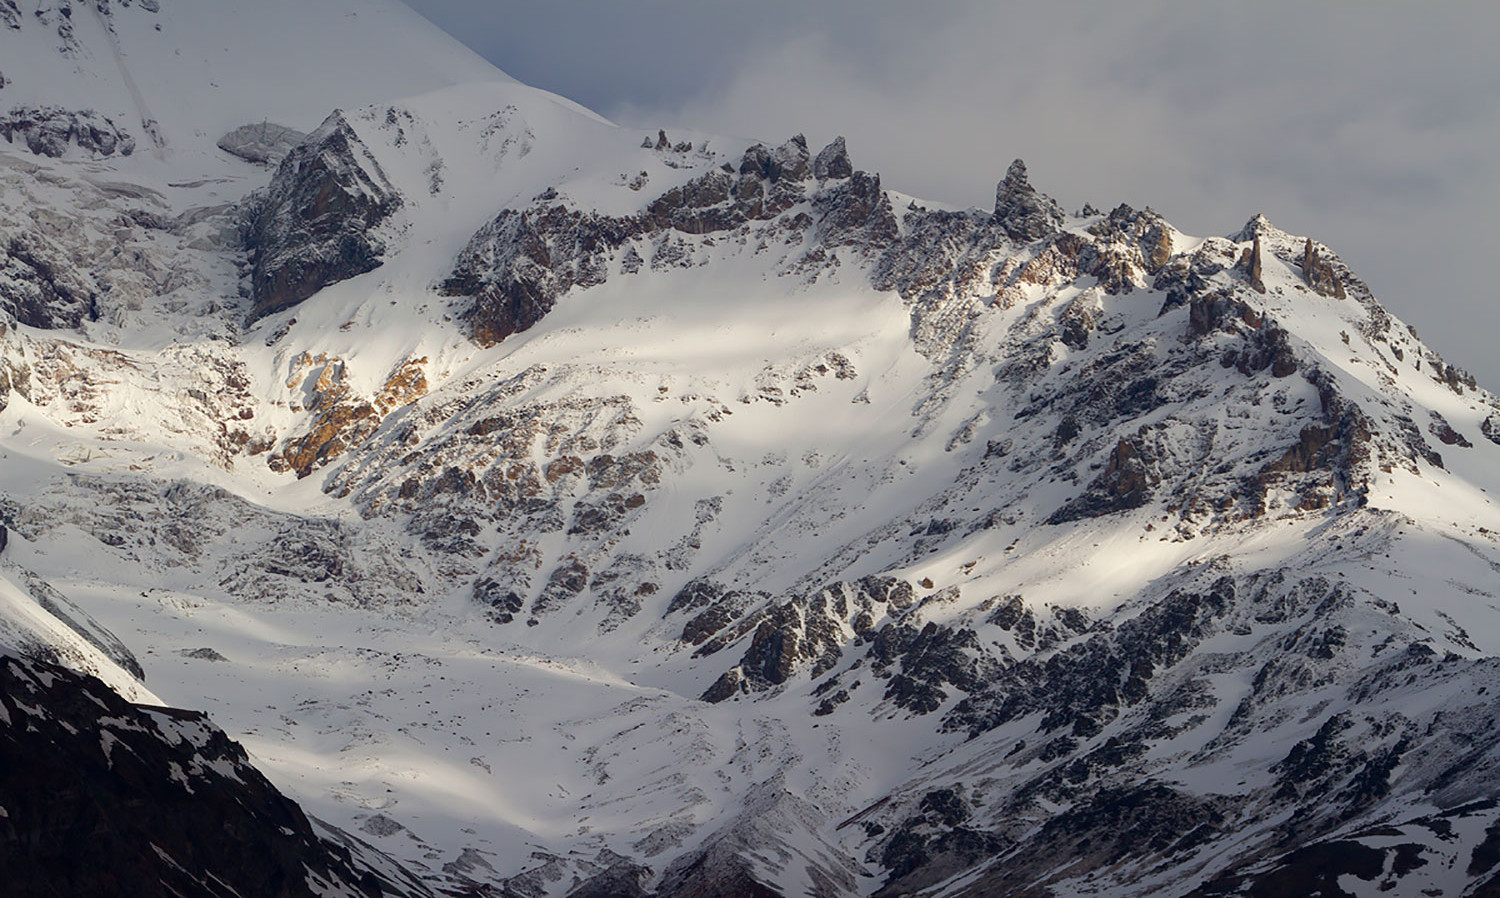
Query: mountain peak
[{"x": 1023, "y": 212}]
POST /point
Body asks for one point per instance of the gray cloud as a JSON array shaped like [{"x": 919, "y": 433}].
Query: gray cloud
[{"x": 1372, "y": 126}]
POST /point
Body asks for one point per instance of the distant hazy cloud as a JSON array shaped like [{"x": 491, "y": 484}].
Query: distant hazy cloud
[{"x": 1373, "y": 126}]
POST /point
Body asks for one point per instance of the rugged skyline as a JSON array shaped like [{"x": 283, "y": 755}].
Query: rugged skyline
[{"x": 1369, "y": 126}]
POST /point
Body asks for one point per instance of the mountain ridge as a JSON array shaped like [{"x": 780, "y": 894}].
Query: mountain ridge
[{"x": 574, "y": 510}]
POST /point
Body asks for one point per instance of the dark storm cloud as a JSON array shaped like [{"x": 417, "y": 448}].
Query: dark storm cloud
[{"x": 1372, "y": 126}]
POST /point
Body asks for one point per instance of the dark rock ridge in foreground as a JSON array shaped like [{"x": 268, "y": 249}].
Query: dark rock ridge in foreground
[{"x": 101, "y": 797}]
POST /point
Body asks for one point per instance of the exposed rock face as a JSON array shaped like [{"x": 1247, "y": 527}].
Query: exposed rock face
[
  {"x": 1126, "y": 483},
  {"x": 1132, "y": 246},
  {"x": 1251, "y": 264},
  {"x": 52, "y": 130},
  {"x": 833, "y": 161},
  {"x": 1320, "y": 274},
  {"x": 41, "y": 287},
  {"x": 1083, "y": 688},
  {"x": 343, "y": 419},
  {"x": 1491, "y": 429},
  {"x": 103, "y": 797},
  {"x": 1021, "y": 211},
  {"x": 919, "y": 663},
  {"x": 318, "y": 223},
  {"x": 857, "y": 214},
  {"x": 518, "y": 265},
  {"x": 1397, "y": 859},
  {"x": 784, "y": 637}
]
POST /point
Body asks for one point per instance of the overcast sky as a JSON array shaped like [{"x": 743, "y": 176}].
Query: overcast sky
[{"x": 1372, "y": 126}]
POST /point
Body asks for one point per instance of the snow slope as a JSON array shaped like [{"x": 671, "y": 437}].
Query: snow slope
[{"x": 191, "y": 72}]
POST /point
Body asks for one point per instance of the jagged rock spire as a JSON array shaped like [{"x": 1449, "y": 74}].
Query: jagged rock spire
[
  {"x": 1319, "y": 274},
  {"x": 1251, "y": 263},
  {"x": 833, "y": 161},
  {"x": 1021, "y": 211}
]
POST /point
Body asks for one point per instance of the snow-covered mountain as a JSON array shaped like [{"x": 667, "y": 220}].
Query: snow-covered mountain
[{"x": 571, "y": 510}]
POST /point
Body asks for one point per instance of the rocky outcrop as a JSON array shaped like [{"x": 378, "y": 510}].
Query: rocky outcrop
[
  {"x": 1319, "y": 273},
  {"x": 858, "y": 214},
  {"x": 1491, "y": 428},
  {"x": 516, "y": 267},
  {"x": 833, "y": 161},
  {"x": 1126, "y": 483},
  {"x": 1144, "y": 824},
  {"x": 52, "y": 131},
  {"x": 1021, "y": 211},
  {"x": 103, "y": 797},
  {"x": 807, "y": 632},
  {"x": 41, "y": 286},
  {"x": 319, "y": 221},
  {"x": 1251, "y": 263},
  {"x": 341, "y": 417},
  {"x": 1081, "y": 689},
  {"x": 1399, "y": 859},
  {"x": 1130, "y": 246},
  {"x": 919, "y": 662}
]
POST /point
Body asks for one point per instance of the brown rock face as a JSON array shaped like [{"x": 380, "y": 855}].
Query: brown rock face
[
  {"x": 833, "y": 161},
  {"x": 1250, "y": 264},
  {"x": 1319, "y": 274},
  {"x": 1316, "y": 448},
  {"x": 857, "y": 214},
  {"x": 343, "y": 419}
]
